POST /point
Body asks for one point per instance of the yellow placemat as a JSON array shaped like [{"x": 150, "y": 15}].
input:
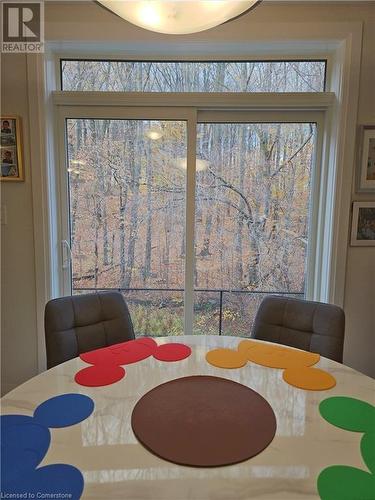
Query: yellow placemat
[
  {"x": 312, "y": 379},
  {"x": 226, "y": 358},
  {"x": 275, "y": 356}
]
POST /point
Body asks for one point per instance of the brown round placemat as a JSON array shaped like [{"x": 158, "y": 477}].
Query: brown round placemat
[{"x": 203, "y": 421}]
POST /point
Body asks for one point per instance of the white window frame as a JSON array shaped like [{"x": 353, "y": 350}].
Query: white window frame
[
  {"x": 338, "y": 43},
  {"x": 128, "y": 113},
  {"x": 187, "y": 107}
]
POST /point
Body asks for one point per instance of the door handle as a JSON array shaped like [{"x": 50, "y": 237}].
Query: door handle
[{"x": 66, "y": 254}]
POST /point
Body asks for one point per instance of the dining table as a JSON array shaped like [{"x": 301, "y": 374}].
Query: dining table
[{"x": 115, "y": 465}]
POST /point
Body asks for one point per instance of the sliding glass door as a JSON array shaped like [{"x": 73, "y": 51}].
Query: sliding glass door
[{"x": 193, "y": 216}]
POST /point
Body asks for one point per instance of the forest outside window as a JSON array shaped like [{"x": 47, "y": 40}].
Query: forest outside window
[
  {"x": 202, "y": 76},
  {"x": 127, "y": 192}
]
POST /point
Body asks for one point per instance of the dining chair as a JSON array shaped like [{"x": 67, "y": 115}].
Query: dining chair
[
  {"x": 311, "y": 326},
  {"x": 81, "y": 323}
]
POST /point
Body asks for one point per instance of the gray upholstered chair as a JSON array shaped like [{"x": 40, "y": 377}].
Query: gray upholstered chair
[
  {"x": 311, "y": 326},
  {"x": 81, "y": 323}
]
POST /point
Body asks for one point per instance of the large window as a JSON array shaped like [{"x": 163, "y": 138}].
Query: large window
[{"x": 193, "y": 218}]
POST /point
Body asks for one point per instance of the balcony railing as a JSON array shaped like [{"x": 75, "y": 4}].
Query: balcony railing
[{"x": 217, "y": 311}]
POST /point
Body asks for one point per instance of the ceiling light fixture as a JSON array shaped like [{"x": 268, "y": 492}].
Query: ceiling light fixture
[
  {"x": 77, "y": 162},
  {"x": 200, "y": 165},
  {"x": 181, "y": 17},
  {"x": 154, "y": 133}
]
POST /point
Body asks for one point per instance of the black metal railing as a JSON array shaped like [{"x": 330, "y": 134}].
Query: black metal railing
[{"x": 200, "y": 290}]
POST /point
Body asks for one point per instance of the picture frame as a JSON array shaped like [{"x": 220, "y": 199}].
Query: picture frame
[
  {"x": 366, "y": 159},
  {"x": 363, "y": 224},
  {"x": 11, "y": 149}
]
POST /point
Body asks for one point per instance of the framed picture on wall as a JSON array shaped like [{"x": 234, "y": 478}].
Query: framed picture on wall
[
  {"x": 366, "y": 177},
  {"x": 11, "y": 149},
  {"x": 363, "y": 224}
]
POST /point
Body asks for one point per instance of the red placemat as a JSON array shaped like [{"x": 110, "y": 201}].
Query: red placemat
[
  {"x": 124, "y": 353},
  {"x": 99, "y": 375},
  {"x": 172, "y": 352}
]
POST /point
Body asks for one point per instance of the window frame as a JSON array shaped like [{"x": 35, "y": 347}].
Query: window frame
[
  {"x": 129, "y": 113},
  {"x": 293, "y": 110}
]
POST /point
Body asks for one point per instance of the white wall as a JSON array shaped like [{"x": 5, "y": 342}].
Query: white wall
[
  {"x": 18, "y": 316},
  {"x": 87, "y": 21},
  {"x": 359, "y": 302}
]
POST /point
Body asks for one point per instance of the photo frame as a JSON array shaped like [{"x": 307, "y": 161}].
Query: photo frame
[
  {"x": 366, "y": 159},
  {"x": 363, "y": 224},
  {"x": 11, "y": 149}
]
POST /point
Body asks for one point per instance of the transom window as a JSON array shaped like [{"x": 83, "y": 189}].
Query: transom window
[{"x": 203, "y": 76}]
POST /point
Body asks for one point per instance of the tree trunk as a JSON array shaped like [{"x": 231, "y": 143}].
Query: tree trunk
[
  {"x": 135, "y": 176},
  {"x": 148, "y": 245}
]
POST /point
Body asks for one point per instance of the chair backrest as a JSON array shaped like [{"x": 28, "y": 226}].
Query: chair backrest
[
  {"x": 311, "y": 326},
  {"x": 81, "y": 323}
]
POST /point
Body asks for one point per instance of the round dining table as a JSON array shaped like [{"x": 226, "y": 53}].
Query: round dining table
[{"x": 116, "y": 466}]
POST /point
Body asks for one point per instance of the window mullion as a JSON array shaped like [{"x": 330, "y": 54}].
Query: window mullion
[{"x": 189, "y": 224}]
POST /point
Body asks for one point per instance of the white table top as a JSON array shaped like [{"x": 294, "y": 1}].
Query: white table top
[{"x": 116, "y": 466}]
